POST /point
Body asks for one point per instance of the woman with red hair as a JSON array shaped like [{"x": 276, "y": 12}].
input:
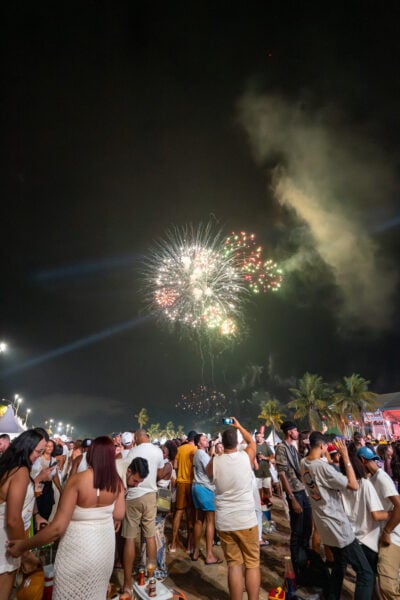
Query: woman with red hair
[{"x": 90, "y": 511}]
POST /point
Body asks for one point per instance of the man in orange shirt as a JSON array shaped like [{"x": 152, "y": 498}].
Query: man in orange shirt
[{"x": 184, "y": 461}]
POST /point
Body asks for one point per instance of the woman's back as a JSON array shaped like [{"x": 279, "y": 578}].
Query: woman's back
[{"x": 87, "y": 496}]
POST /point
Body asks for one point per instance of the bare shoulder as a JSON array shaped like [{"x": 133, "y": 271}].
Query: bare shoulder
[{"x": 19, "y": 475}]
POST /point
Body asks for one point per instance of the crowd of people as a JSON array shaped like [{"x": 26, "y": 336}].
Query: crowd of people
[{"x": 103, "y": 498}]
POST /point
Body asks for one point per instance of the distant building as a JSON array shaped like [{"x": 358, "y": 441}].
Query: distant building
[{"x": 385, "y": 422}]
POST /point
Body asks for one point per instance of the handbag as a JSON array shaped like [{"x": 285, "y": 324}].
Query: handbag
[{"x": 164, "y": 496}]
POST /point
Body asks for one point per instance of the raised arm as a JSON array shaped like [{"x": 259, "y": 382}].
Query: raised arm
[
  {"x": 351, "y": 477},
  {"x": 251, "y": 444}
]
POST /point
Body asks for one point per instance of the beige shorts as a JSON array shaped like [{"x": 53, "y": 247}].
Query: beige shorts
[
  {"x": 140, "y": 513},
  {"x": 264, "y": 482},
  {"x": 241, "y": 547}
]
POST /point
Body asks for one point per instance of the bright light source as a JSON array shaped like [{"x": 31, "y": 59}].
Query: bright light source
[{"x": 3, "y": 347}]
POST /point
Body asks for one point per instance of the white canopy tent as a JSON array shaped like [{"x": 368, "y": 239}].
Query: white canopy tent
[
  {"x": 9, "y": 423},
  {"x": 273, "y": 438}
]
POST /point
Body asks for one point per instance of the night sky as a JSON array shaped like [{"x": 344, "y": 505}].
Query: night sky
[{"x": 122, "y": 119}]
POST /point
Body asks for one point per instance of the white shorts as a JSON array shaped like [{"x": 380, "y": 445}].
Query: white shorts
[
  {"x": 263, "y": 483},
  {"x": 274, "y": 473}
]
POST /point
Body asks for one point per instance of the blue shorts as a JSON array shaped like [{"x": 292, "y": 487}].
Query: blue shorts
[{"x": 203, "y": 498}]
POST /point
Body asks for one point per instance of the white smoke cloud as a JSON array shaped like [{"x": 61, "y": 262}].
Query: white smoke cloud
[{"x": 337, "y": 182}]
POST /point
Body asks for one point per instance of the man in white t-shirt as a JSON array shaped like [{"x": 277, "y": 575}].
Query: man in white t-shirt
[
  {"x": 141, "y": 505},
  {"x": 324, "y": 484},
  {"x": 389, "y": 550},
  {"x": 235, "y": 512}
]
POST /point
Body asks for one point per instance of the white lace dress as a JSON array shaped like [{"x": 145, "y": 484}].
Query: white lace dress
[{"x": 85, "y": 555}]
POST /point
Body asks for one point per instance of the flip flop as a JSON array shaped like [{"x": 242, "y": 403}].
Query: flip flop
[
  {"x": 214, "y": 562},
  {"x": 171, "y": 550}
]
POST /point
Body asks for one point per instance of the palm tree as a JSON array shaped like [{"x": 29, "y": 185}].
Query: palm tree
[
  {"x": 180, "y": 431},
  {"x": 142, "y": 417},
  {"x": 310, "y": 400},
  {"x": 271, "y": 412},
  {"x": 353, "y": 398},
  {"x": 169, "y": 430},
  {"x": 154, "y": 431}
]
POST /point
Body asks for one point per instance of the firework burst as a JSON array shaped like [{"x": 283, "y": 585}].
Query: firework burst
[
  {"x": 203, "y": 401},
  {"x": 260, "y": 275},
  {"x": 192, "y": 281}
]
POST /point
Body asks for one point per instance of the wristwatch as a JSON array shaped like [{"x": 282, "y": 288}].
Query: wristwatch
[{"x": 291, "y": 496}]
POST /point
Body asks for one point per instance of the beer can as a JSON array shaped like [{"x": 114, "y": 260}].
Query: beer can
[
  {"x": 141, "y": 579},
  {"x": 152, "y": 591}
]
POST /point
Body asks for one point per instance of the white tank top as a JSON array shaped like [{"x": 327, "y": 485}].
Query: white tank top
[{"x": 234, "y": 501}]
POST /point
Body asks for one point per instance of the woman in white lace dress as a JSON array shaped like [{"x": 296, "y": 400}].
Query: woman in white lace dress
[
  {"x": 90, "y": 511},
  {"x": 16, "y": 492}
]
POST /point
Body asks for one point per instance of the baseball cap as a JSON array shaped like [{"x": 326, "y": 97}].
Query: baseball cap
[
  {"x": 115, "y": 434},
  {"x": 332, "y": 449},
  {"x": 288, "y": 425},
  {"x": 126, "y": 438},
  {"x": 367, "y": 453}
]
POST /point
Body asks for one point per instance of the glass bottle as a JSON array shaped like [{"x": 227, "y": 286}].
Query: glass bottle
[{"x": 290, "y": 580}]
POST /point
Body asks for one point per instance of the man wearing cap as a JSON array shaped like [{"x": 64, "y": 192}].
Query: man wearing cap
[
  {"x": 127, "y": 442},
  {"x": 184, "y": 460},
  {"x": 287, "y": 461},
  {"x": 389, "y": 550},
  {"x": 324, "y": 484}
]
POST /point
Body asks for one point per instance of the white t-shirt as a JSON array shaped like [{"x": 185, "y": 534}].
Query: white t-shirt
[
  {"x": 154, "y": 457},
  {"x": 358, "y": 507},
  {"x": 323, "y": 486},
  {"x": 234, "y": 501},
  {"x": 385, "y": 488}
]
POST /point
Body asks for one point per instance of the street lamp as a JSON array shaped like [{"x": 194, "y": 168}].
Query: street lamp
[
  {"x": 3, "y": 347},
  {"x": 19, "y": 400},
  {"x": 28, "y": 410}
]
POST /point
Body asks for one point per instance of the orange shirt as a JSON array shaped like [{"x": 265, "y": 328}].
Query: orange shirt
[{"x": 184, "y": 458}]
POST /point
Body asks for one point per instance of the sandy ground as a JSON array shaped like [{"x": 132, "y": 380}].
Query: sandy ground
[{"x": 203, "y": 582}]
